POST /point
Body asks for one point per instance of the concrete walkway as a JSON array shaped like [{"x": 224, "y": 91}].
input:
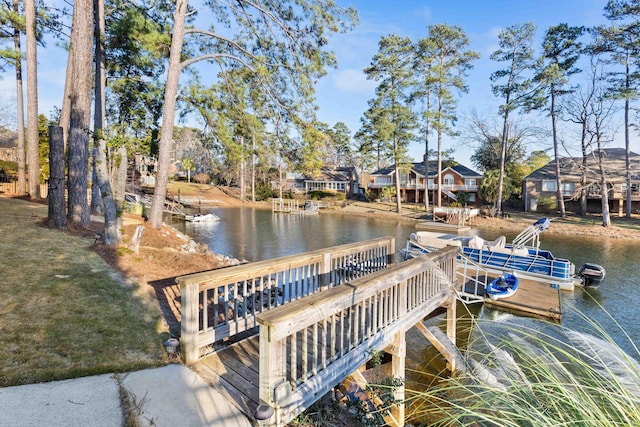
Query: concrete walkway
[{"x": 169, "y": 396}]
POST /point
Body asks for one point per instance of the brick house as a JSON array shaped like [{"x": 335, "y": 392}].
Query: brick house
[
  {"x": 541, "y": 183},
  {"x": 455, "y": 179}
]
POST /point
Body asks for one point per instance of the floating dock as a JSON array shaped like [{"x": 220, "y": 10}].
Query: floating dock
[
  {"x": 533, "y": 298},
  {"x": 442, "y": 226}
]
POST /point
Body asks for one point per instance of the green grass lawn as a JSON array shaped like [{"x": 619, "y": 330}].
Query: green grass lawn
[{"x": 64, "y": 312}]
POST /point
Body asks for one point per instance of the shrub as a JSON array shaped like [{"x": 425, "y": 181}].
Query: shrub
[
  {"x": 264, "y": 192},
  {"x": 547, "y": 204},
  {"x": 388, "y": 192},
  {"x": 320, "y": 194},
  {"x": 202, "y": 178},
  {"x": 463, "y": 198}
]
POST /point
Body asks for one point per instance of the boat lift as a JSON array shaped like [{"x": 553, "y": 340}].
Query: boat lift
[{"x": 530, "y": 236}]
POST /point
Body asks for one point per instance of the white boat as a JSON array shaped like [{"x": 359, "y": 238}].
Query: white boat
[
  {"x": 208, "y": 217},
  {"x": 523, "y": 255}
]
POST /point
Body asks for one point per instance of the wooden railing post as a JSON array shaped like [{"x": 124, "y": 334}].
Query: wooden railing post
[
  {"x": 325, "y": 271},
  {"x": 272, "y": 368},
  {"x": 391, "y": 251},
  {"x": 189, "y": 294}
]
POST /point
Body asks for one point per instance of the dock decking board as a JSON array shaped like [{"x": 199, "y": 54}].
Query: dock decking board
[{"x": 532, "y": 298}]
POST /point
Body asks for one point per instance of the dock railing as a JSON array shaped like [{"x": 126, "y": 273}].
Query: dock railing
[
  {"x": 310, "y": 345},
  {"x": 224, "y": 303}
]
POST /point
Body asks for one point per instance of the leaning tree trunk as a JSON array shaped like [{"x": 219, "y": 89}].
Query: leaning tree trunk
[
  {"x": 57, "y": 212},
  {"x": 168, "y": 114},
  {"x": 112, "y": 234},
  {"x": 33, "y": 161},
  {"x": 22, "y": 182},
  {"x": 82, "y": 56}
]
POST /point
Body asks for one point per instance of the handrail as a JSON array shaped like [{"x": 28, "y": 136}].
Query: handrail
[
  {"x": 223, "y": 303},
  {"x": 309, "y": 345}
]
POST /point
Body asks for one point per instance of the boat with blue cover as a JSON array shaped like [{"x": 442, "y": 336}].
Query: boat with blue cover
[
  {"x": 523, "y": 255},
  {"x": 502, "y": 287}
]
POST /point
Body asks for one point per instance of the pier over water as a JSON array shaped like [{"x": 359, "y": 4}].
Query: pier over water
[{"x": 286, "y": 331}]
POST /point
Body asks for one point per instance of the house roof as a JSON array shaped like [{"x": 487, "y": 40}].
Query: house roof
[
  {"x": 571, "y": 167},
  {"x": 418, "y": 168},
  {"x": 335, "y": 174}
]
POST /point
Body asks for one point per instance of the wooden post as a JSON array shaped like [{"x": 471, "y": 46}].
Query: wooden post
[
  {"x": 325, "y": 271},
  {"x": 451, "y": 319},
  {"x": 398, "y": 351},
  {"x": 57, "y": 211},
  {"x": 391, "y": 252},
  {"x": 272, "y": 367},
  {"x": 189, "y": 294}
]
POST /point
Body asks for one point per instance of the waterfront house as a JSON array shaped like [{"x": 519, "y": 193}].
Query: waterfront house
[
  {"x": 541, "y": 183},
  {"x": 339, "y": 180},
  {"x": 456, "y": 179}
]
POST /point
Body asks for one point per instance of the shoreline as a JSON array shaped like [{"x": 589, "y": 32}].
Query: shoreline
[{"x": 572, "y": 224}]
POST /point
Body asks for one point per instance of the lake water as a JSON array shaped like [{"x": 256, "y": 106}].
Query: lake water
[{"x": 257, "y": 234}]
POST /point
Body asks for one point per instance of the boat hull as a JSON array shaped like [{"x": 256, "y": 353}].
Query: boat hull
[{"x": 527, "y": 262}]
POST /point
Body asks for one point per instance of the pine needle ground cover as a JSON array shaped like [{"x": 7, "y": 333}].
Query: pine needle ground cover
[{"x": 64, "y": 312}]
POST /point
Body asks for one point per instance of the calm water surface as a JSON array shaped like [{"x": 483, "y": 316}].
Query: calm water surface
[{"x": 255, "y": 234}]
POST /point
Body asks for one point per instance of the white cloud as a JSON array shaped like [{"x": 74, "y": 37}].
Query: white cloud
[{"x": 353, "y": 80}]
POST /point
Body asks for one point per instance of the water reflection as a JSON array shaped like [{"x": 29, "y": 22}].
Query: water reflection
[{"x": 256, "y": 234}]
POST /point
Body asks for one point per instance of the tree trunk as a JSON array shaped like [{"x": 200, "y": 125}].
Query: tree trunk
[
  {"x": 583, "y": 173},
  {"x": 96, "y": 200},
  {"x": 559, "y": 193},
  {"x": 439, "y": 173},
  {"x": 22, "y": 181},
  {"x": 253, "y": 168},
  {"x": 57, "y": 213},
  {"x": 120, "y": 175},
  {"x": 82, "y": 57},
  {"x": 426, "y": 157},
  {"x": 65, "y": 110},
  {"x": 606, "y": 216},
  {"x": 168, "y": 116},
  {"x": 243, "y": 195},
  {"x": 33, "y": 161},
  {"x": 112, "y": 234},
  {"x": 97, "y": 203},
  {"x": 503, "y": 159},
  {"x": 627, "y": 160}
]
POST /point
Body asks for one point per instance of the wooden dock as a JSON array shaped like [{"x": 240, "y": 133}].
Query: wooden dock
[
  {"x": 442, "y": 226},
  {"x": 314, "y": 334},
  {"x": 533, "y": 298}
]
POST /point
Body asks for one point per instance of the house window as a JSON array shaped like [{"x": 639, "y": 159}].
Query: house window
[
  {"x": 430, "y": 184},
  {"x": 567, "y": 188},
  {"x": 548, "y": 185},
  {"x": 448, "y": 179},
  {"x": 472, "y": 197},
  {"x": 383, "y": 180},
  {"x": 470, "y": 182}
]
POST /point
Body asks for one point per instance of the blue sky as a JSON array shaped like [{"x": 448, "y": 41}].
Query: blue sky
[{"x": 343, "y": 93}]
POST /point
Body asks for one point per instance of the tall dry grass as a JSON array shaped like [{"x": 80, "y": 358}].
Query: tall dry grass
[{"x": 525, "y": 372}]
